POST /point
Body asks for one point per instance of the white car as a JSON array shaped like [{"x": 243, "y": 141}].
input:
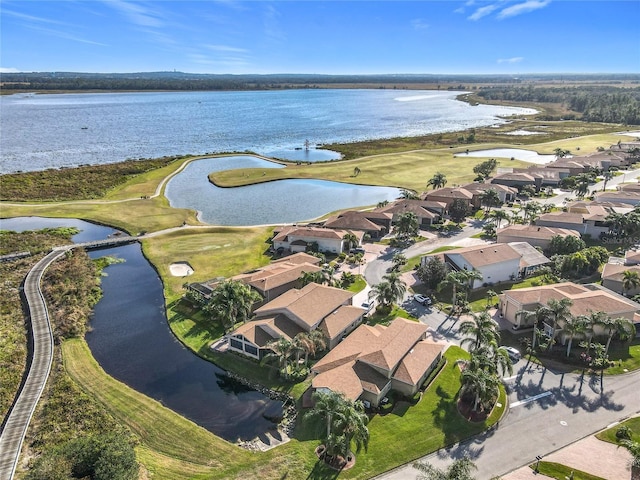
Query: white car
[
  {"x": 513, "y": 353},
  {"x": 422, "y": 299},
  {"x": 367, "y": 306}
]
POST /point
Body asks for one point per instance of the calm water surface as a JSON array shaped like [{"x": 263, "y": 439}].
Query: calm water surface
[
  {"x": 93, "y": 128},
  {"x": 131, "y": 340},
  {"x": 283, "y": 201}
]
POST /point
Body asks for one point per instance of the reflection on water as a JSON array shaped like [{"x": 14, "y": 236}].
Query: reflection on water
[
  {"x": 283, "y": 201},
  {"x": 133, "y": 343}
]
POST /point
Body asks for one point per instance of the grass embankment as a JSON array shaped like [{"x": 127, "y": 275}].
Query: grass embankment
[
  {"x": 609, "y": 435},
  {"x": 410, "y": 169}
]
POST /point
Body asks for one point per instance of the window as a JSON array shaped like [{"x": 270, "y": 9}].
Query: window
[
  {"x": 250, "y": 349},
  {"x": 237, "y": 344}
]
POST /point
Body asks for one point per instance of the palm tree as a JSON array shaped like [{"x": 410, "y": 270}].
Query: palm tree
[
  {"x": 471, "y": 276},
  {"x": 438, "y": 180},
  {"x": 456, "y": 280},
  {"x": 481, "y": 331},
  {"x": 497, "y": 216},
  {"x": 481, "y": 385},
  {"x": 559, "y": 312},
  {"x": 531, "y": 210},
  {"x": 327, "y": 405},
  {"x": 398, "y": 260},
  {"x": 350, "y": 240},
  {"x": 382, "y": 294},
  {"x": 608, "y": 175},
  {"x": 582, "y": 182},
  {"x": 352, "y": 423},
  {"x": 231, "y": 301},
  {"x": 574, "y": 326},
  {"x": 560, "y": 153},
  {"x": 390, "y": 290},
  {"x": 407, "y": 225},
  {"x": 490, "y": 294},
  {"x": 458, "y": 470},
  {"x": 630, "y": 280},
  {"x": 490, "y": 198},
  {"x": 620, "y": 326},
  {"x": 281, "y": 351}
]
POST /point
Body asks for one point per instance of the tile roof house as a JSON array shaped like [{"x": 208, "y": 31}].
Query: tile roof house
[
  {"x": 518, "y": 179},
  {"x": 425, "y": 215},
  {"x": 296, "y": 239},
  {"x": 620, "y": 196},
  {"x": 376, "y": 224},
  {"x": 535, "y": 235},
  {"x": 586, "y": 299},
  {"x": 311, "y": 308},
  {"x": 496, "y": 262},
  {"x": 280, "y": 276},
  {"x": 506, "y": 194},
  {"x": 612, "y": 276},
  {"x": 447, "y": 195},
  {"x": 376, "y": 359},
  {"x": 584, "y": 223}
]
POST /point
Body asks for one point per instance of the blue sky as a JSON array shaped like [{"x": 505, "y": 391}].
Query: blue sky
[{"x": 332, "y": 37}]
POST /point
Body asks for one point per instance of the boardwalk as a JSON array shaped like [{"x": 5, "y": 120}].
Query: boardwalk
[{"x": 20, "y": 415}]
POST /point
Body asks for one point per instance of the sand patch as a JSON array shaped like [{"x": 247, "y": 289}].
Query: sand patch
[{"x": 181, "y": 269}]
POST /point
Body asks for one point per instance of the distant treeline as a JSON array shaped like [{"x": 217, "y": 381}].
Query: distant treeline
[
  {"x": 202, "y": 82},
  {"x": 595, "y": 103}
]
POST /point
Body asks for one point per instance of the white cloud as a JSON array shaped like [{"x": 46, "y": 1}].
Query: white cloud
[
  {"x": 137, "y": 13},
  {"x": 9, "y": 70},
  {"x": 419, "y": 24},
  {"x": 482, "y": 12},
  {"x": 510, "y": 60},
  {"x": 525, "y": 7},
  {"x": 226, "y": 48}
]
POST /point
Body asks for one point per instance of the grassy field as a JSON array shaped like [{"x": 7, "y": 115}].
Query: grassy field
[
  {"x": 562, "y": 472},
  {"x": 609, "y": 435},
  {"x": 172, "y": 447}
]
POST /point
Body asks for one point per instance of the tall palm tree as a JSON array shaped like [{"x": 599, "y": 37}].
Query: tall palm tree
[
  {"x": 490, "y": 198},
  {"x": 620, "y": 326},
  {"x": 559, "y": 310},
  {"x": 456, "y": 280},
  {"x": 382, "y": 294},
  {"x": 574, "y": 326},
  {"x": 438, "y": 180},
  {"x": 396, "y": 286},
  {"x": 327, "y": 405},
  {"x": 497, "y": 216},
  {"x": 582, "y": 182},
  {"x": 630, "y": 280},
  {"x": 231, "y": 301},
  {"x": 350, "y": 240},
  {"x": 281, "y": 351},
  {"x": 352, "y": 423},
  {"x": 481, "y": 385},
  {"x": 481, "y": 330},
  {"x": 531, "y": 210},
  {"x": 407, "y": 225}
]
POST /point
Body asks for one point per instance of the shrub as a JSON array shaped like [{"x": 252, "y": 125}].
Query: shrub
[{"x": 623, "y": 433}]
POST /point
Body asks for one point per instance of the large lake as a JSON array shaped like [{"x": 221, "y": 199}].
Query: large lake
[{"x": 50, "y": 131}]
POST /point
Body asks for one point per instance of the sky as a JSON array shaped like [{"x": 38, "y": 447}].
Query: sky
[{"x": 323, "y": 37}]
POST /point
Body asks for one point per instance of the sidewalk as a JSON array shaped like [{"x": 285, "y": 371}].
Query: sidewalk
[{"x": 589, "y": 455}]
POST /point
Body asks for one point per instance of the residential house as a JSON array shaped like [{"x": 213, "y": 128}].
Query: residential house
[
  {"x": 311, "y": 308},
  {"x": 613, "y": 275},
  {"x": 375, "y": 223},
  {"x": 426, "y": 216},
  {"x": 550, "y": 177},
  {"x": 496, "y": 262},
  {"x": 584, "y": 223},
  {"x": 280, "y": 275},
  {"x": 505, "y": 194},
  {"x": 373, "y": 360},
  {"x": 518, "y": 180},
  {"x": 586, "y": 299},
  {"x": 447, "y": 195},
  {"x": 620, "y": 196},
  {"x": 298, "y": 239},
  {"x": 535, "y": 235}
]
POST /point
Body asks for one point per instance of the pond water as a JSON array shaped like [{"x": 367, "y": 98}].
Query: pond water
[
  {"x": 518, "y": 154},
  {"x": 131, "y": 340},
  {"x": 282, "y": 201}
]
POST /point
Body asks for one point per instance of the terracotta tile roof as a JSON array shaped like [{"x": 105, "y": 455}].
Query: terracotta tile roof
[
  {"x": 337, "y": 321},
  {"x": 342, "y": 379},
  {"x": 535, "y": 231},
  {"x": 261, "y": 332},
  {"x": 484, "y": 186},
  {"x": 619, "y": 196},
  {"x": 482, "y": 255},
  {"x": 403, "y": 206},
  {"x": 311, "y": 232},
  {"x": 349, "y": 349},
  {"x": 514, "y": 176},
  {"x": 613, "y": 271},
  {"x": 632, "y": 257},
  {"x": 275, "y": 275},
  {"x": 309, "y": 304}
]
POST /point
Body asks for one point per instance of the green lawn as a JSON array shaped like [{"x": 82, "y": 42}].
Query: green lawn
[
  {"x": 562, "y": 472},
  {"x": 609, "y": 435}
]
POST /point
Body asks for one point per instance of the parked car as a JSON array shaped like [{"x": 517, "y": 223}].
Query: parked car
[
  {"x": 367, "y": 306},
  {"x": 359, "y": 250},
  {"x": 422, "y": 299},
  {"x": 513, "y": 353}
]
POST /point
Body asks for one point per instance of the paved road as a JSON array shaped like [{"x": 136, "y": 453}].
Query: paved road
[{"x": 20, "y": 415}]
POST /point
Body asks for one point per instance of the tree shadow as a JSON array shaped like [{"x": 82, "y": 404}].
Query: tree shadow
[{"x": 322, "y": 472}]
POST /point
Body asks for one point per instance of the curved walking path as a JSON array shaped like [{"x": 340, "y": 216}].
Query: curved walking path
[{"x": 15, "y": 428}]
